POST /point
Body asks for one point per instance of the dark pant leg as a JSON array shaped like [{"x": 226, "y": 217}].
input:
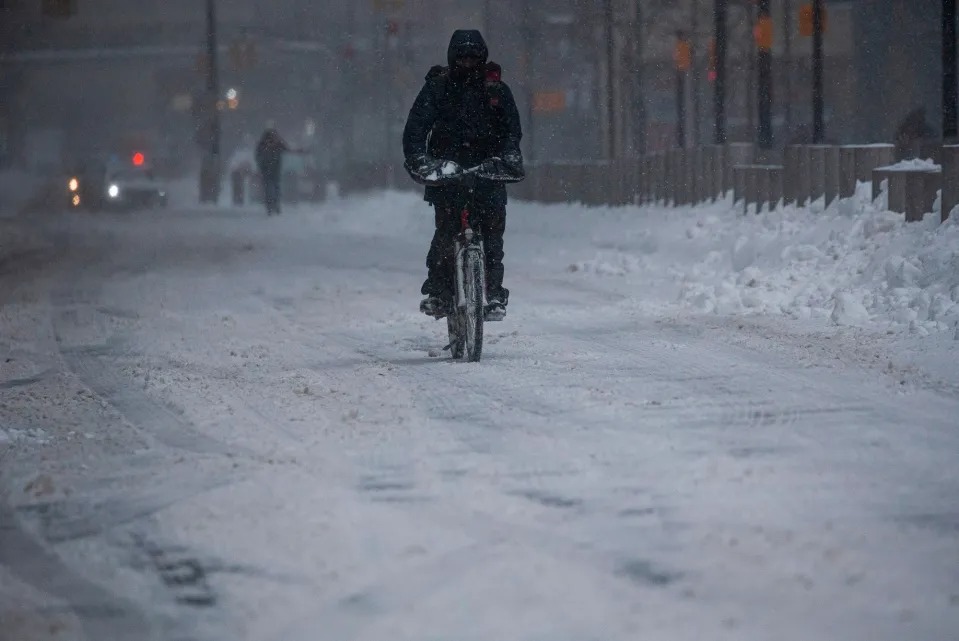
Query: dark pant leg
[
  {"x": 271, "y": 193},
  {"x": 494, "y": 226},
  {"x": 439, "y": 260}
]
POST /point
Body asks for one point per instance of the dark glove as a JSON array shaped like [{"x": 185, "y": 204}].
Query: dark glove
[
  {"x": 418, "y": 166},
  {"x": 508, "y": 169}
]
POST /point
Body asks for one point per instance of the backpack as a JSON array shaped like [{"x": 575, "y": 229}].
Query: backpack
[{"x": 438, "y": 79}]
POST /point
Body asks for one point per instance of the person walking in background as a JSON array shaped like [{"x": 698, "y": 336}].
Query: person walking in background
[{"x": 269, "y": 161}]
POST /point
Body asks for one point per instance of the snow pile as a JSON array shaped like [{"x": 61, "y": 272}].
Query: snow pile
[{"x": 852, "y": 264}]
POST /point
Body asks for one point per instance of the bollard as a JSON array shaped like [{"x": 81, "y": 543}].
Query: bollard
[
  {"x": 759, "y": 185},
  {"x": 708, "y": 177},
  {"x": 739, "y": 186},
  {"x": 869, "y": 157},
  {"x": 772, "y": 185},
  {"x": 737, "y": 153},
  {"x": 950, "y": 179},
  {"x": 895, "y": 188},
  {"x": 701, "y": 174},
  {"x": 791, "y": 174},
  {"x": 752, "y": 189},
  {"x": 817, "y": 171},
  {"x": 831, "y": 170},
  {"x": 803, "y": 176},
  {"x": 921, "y": 188}
]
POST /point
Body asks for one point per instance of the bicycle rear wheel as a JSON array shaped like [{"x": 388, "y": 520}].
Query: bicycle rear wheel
[{"x": 474, "y": 286}]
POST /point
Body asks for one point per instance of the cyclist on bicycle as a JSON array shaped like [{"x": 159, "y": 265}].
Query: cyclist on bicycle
[{"x": 464, "y": 114}]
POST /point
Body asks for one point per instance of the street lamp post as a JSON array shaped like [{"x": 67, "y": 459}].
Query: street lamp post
[
  {"x": 610, "y": 79},
  {"x": 210, "y": 169},
  {"x": 818, "y": 127},
  {"x": 950, "y": 99},
  {"x": 764, "y": 43},
  {"x": 683, "y": 61},
  {"x": 720, "y": 8}
]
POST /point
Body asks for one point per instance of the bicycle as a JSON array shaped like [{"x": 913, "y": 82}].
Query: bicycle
[{"x": 467, "y": 310}]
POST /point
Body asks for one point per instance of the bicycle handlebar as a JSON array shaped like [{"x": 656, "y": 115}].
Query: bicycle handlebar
[{"x": 438, "y": 173}]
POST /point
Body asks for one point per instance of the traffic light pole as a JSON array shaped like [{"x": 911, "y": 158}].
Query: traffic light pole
[
  {"x": 610, "y": 79},
  {"x": 765, "y": 61},
  {"x": 950, "y": 98},
  {"x": 682, "y": 52},
  {"x": 818, "y": 127},
  {"x": 719, "y": 91},
  {"x": 680, "y": 109},
  {"x": 210, "y": 170}
]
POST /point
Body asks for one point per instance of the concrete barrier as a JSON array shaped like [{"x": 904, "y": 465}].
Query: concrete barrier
[
  {"x": 791, "y": 174},
  {"x": 911, "y": 192},
  {"x": 737, "y": 153},
  {"x": 686, "y": 176},
  {"x": 758, "y": 185},
  {"x": 817, "y": 171},
  {"x": 719, "y": 168},
  {"x": 950, "y": 179},
  {"x": 831, "y": 157},
  {"x": 856, "y": 163}
]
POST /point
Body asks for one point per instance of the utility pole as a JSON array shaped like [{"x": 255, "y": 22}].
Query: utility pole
[
  {"x": 788, "y": 63},
  {"x": 610, "y": 81},
  {"x": 720, "y": 8},
  {"x": 818, "y": 127},
  {"x": 640, "y": 97},
  {"x": 210, "y": 169},
  {"x": 764, "y": 44},
  {"x": 950, "y": 99},
  {"x": 682, "y": 61},
  {"x": 696, "y": 89}
]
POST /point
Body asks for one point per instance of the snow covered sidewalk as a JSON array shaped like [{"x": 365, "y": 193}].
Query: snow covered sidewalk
[{"x": 692, "y": 424}]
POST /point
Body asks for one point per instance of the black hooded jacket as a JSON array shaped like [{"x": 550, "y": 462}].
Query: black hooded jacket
[{"x": 464, "y": 116}]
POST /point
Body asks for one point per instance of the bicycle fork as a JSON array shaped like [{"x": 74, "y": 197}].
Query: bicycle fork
[{"x": 462, "y": 244}]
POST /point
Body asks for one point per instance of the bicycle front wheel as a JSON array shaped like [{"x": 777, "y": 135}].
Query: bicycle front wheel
[
  {"x": 474, "y": 286},
  {"x": 454, "y": 325}
]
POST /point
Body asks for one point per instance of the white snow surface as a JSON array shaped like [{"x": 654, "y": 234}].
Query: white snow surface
[
  {"x": 693, "y": 424},
  {"x": 914, "y": 164}
]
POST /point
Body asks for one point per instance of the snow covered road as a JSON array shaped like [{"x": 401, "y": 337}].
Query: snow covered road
[{"x": 215, "y": 425}]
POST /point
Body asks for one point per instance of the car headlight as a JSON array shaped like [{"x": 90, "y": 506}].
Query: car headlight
[
  {"x": 113, "y": 191},
  {"x": 74, "y": 184}
]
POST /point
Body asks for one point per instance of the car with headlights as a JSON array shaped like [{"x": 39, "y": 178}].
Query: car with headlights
[{"x": 116, "y": 186}]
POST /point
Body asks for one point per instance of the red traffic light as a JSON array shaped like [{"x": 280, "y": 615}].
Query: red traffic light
[{"x": 138, "y": 159}]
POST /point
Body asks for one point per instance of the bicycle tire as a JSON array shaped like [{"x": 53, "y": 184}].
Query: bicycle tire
[{"x": 474, "y": 282}]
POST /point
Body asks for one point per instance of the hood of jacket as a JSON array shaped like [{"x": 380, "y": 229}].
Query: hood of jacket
[{"x": 466, "y": 42}]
